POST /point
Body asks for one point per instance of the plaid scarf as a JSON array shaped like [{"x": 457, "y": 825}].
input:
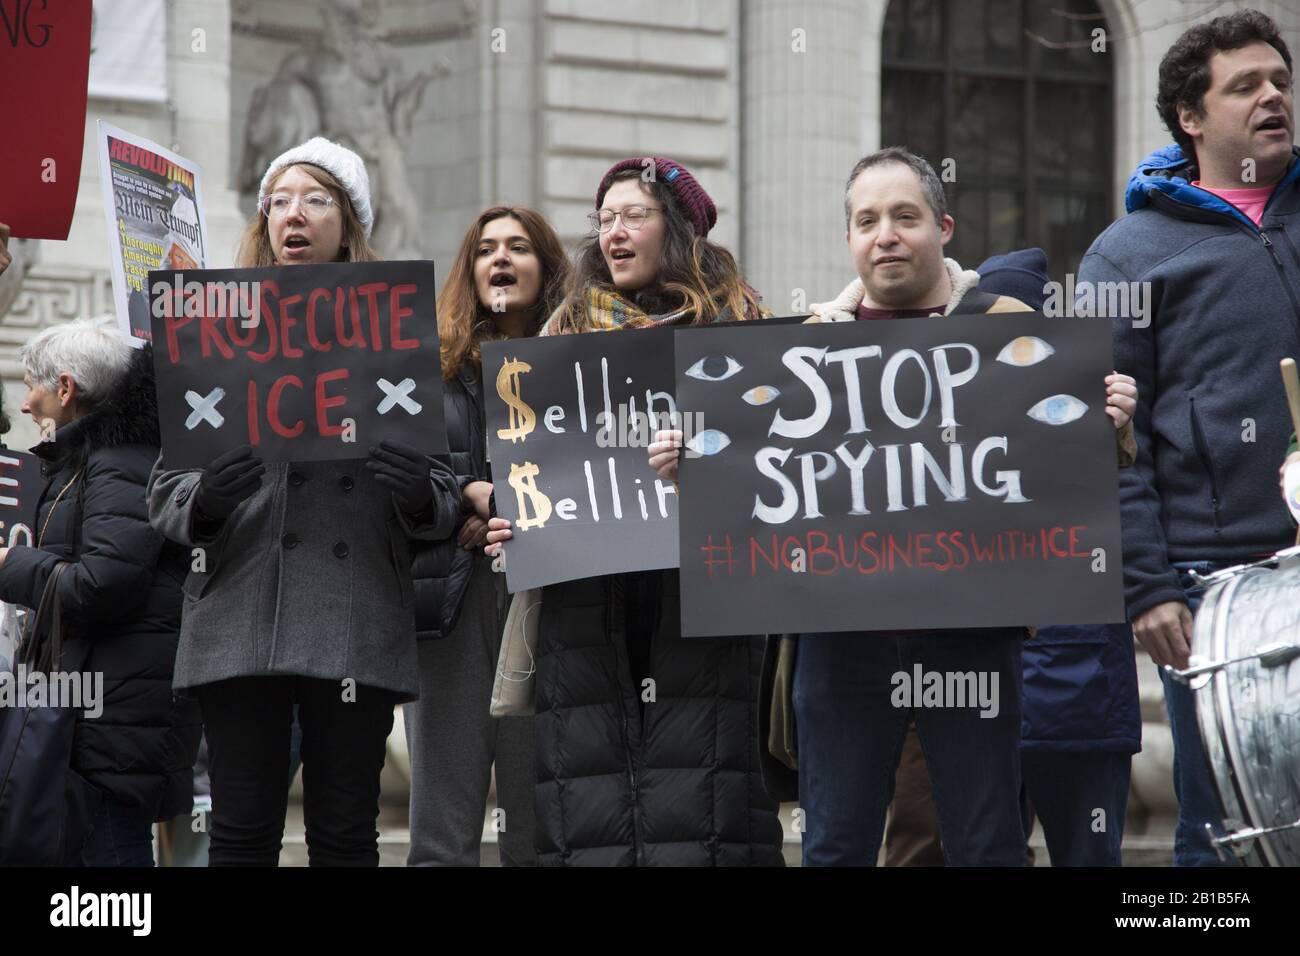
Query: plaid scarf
[{"x": 608, "y": 311}]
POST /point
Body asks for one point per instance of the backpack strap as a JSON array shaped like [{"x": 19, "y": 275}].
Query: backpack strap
[{"x": 975, "y": 302}]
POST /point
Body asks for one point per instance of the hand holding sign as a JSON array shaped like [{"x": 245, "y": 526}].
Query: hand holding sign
[
  {"x": 228, "y": 480},
  {"x": 405, "y": 472},
  {"x": 498, "y": 532},
  {"x": 665, "y": 451},
  {"x": 1121, "y": 398}
]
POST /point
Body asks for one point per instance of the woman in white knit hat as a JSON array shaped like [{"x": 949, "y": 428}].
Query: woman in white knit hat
[{"x": 306, "y": 597}]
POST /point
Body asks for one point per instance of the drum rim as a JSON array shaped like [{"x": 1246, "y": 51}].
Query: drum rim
[{"x": 1215, "y": 713}]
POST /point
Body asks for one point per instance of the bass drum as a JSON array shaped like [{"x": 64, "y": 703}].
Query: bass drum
[{"x": 1245, "y": 670}]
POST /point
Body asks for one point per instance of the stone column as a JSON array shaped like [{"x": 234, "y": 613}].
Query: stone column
[{"x": 810, "y": 81}]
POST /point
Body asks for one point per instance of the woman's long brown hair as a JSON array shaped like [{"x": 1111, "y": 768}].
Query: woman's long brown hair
[
  {"x": 464, "y": 322},
  {"x": 255, "y": 245},
  {"x": 694, "y": 274}
]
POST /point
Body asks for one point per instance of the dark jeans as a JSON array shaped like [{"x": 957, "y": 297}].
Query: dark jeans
[
  {"x": 1198, "y": 802},
  {"x": 247, "y": 721},
  {"x": 119, "y": 836},
  {"x": 851, "y": 734},
  {"x": 1067, "y": 790}
]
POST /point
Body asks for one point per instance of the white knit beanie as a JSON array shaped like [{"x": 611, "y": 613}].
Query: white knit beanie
[{"x": 340, "y": 162}]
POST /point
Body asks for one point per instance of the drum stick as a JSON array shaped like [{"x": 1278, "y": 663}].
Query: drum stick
[{"x": 1291, "y": 382}]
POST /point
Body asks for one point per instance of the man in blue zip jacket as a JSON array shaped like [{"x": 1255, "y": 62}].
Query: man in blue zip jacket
[{"x": 1210, "y": 250}]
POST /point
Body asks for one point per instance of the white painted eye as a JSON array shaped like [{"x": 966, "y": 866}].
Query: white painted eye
[
  {"x": 1057, "y": 410},
  {"x": 1025, "y": 350},
  {"x": 714, "y": 368},
  {"x": 762, "y": 394},
  {"x": 708, "y": 442}
]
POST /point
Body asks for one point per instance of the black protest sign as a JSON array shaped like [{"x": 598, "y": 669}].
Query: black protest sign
[
  {"x": 920, "y": 473},
  {"x": 304, "y": 363},
  {"x": 567, "y": 437},
  {"x": 21, "y": 483}
]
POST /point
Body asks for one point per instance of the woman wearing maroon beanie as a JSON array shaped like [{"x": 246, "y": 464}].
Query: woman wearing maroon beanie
[{"x": 623, "y": 780}]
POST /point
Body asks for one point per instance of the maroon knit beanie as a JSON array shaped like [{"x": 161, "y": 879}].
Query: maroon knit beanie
[{"x": 690, "y": 195}]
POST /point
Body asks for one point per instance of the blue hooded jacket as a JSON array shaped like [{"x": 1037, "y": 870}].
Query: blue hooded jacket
[{"x": 1222, "y": 308}]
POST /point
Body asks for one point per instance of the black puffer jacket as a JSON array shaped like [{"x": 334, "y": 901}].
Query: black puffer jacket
[
  {"x": 441, "y": 570},
  {"x": 669, "y": 782},
  {"x": 121, "y": 598}
]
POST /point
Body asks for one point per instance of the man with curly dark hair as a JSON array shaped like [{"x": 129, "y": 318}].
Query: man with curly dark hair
[{"x": 1213, "y": 234}]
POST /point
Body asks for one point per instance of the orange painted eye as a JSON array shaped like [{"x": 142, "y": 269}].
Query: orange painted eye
[
  {"x": 1025, "y": 350},
  {"x": 762, "y": 394}
]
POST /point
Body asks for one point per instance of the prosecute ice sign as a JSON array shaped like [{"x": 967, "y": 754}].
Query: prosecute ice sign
[{"x": 304, "y": 363}]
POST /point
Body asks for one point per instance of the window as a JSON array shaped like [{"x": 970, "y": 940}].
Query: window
[{"x": 1012, "y": 94}]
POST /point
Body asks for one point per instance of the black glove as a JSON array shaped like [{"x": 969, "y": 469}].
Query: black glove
[
  {"x": 227, "y": 481},
  {"x": 405, "y": 472}
]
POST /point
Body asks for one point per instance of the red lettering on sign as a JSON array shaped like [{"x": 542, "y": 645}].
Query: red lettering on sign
[
  {"x": 254, "y": 430},
  {"x": 371, "y": 291},
  {"x": 287, "y": 322},
  {"x": 822, "y": 547},
  {"x": 171, "y": 323},
  {"x": 756, "y": 551},
  {"x": 867, "y": 537},
  {"x": 273, "y": 407},
  {"x": 324, "y": 404},
  {"x": 357, "y": 339},
  {"x": 923, "y": 549},
  {"x": 209, "y": 335},
  {"x": 268, "y": 320},
  {"x": 397, "y": 312},
  {"x": 312, "y": 339}
]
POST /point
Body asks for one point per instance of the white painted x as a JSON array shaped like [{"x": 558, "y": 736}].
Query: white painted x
[
  {"x": 205, "y": 408},
  {"x": 397, "y": 395}
]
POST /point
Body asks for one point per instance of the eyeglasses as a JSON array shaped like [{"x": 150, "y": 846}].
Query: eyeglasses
[
  {"x": 278, "y": 205},
  {"x": 634, "y": 217}
]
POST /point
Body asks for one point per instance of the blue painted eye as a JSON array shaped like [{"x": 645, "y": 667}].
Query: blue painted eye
[
  {"x": 762, "y": 394},
  {"x": 708, "y": 442},
  {"x": 1025, "y": 350},
  {"x": 1057, "y": 410},
  {"x": 714, "y": 368}
]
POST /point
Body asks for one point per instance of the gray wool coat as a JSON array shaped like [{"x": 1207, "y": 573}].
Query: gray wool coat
[{"x": 311, "y": 576}]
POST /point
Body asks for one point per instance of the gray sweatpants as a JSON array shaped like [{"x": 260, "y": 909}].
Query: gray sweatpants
[{"x": 453, "y": 741}]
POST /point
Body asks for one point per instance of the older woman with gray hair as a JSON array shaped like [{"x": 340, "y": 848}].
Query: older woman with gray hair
[{"x": 92, "y": 395}]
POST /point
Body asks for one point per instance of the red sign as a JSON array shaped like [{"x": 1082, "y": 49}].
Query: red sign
[{"x": 44, "y": 63}]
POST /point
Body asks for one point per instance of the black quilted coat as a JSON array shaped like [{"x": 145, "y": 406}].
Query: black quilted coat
[
  {"x": 625, "y": 781},
  {"x": 440, "y": 570},
  {"x": 121, "y": 598}
]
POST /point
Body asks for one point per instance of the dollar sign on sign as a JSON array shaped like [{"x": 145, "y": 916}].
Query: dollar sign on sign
[
  {"x": 522, "y": 419},
  {"x": 521, "y": 479}
]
